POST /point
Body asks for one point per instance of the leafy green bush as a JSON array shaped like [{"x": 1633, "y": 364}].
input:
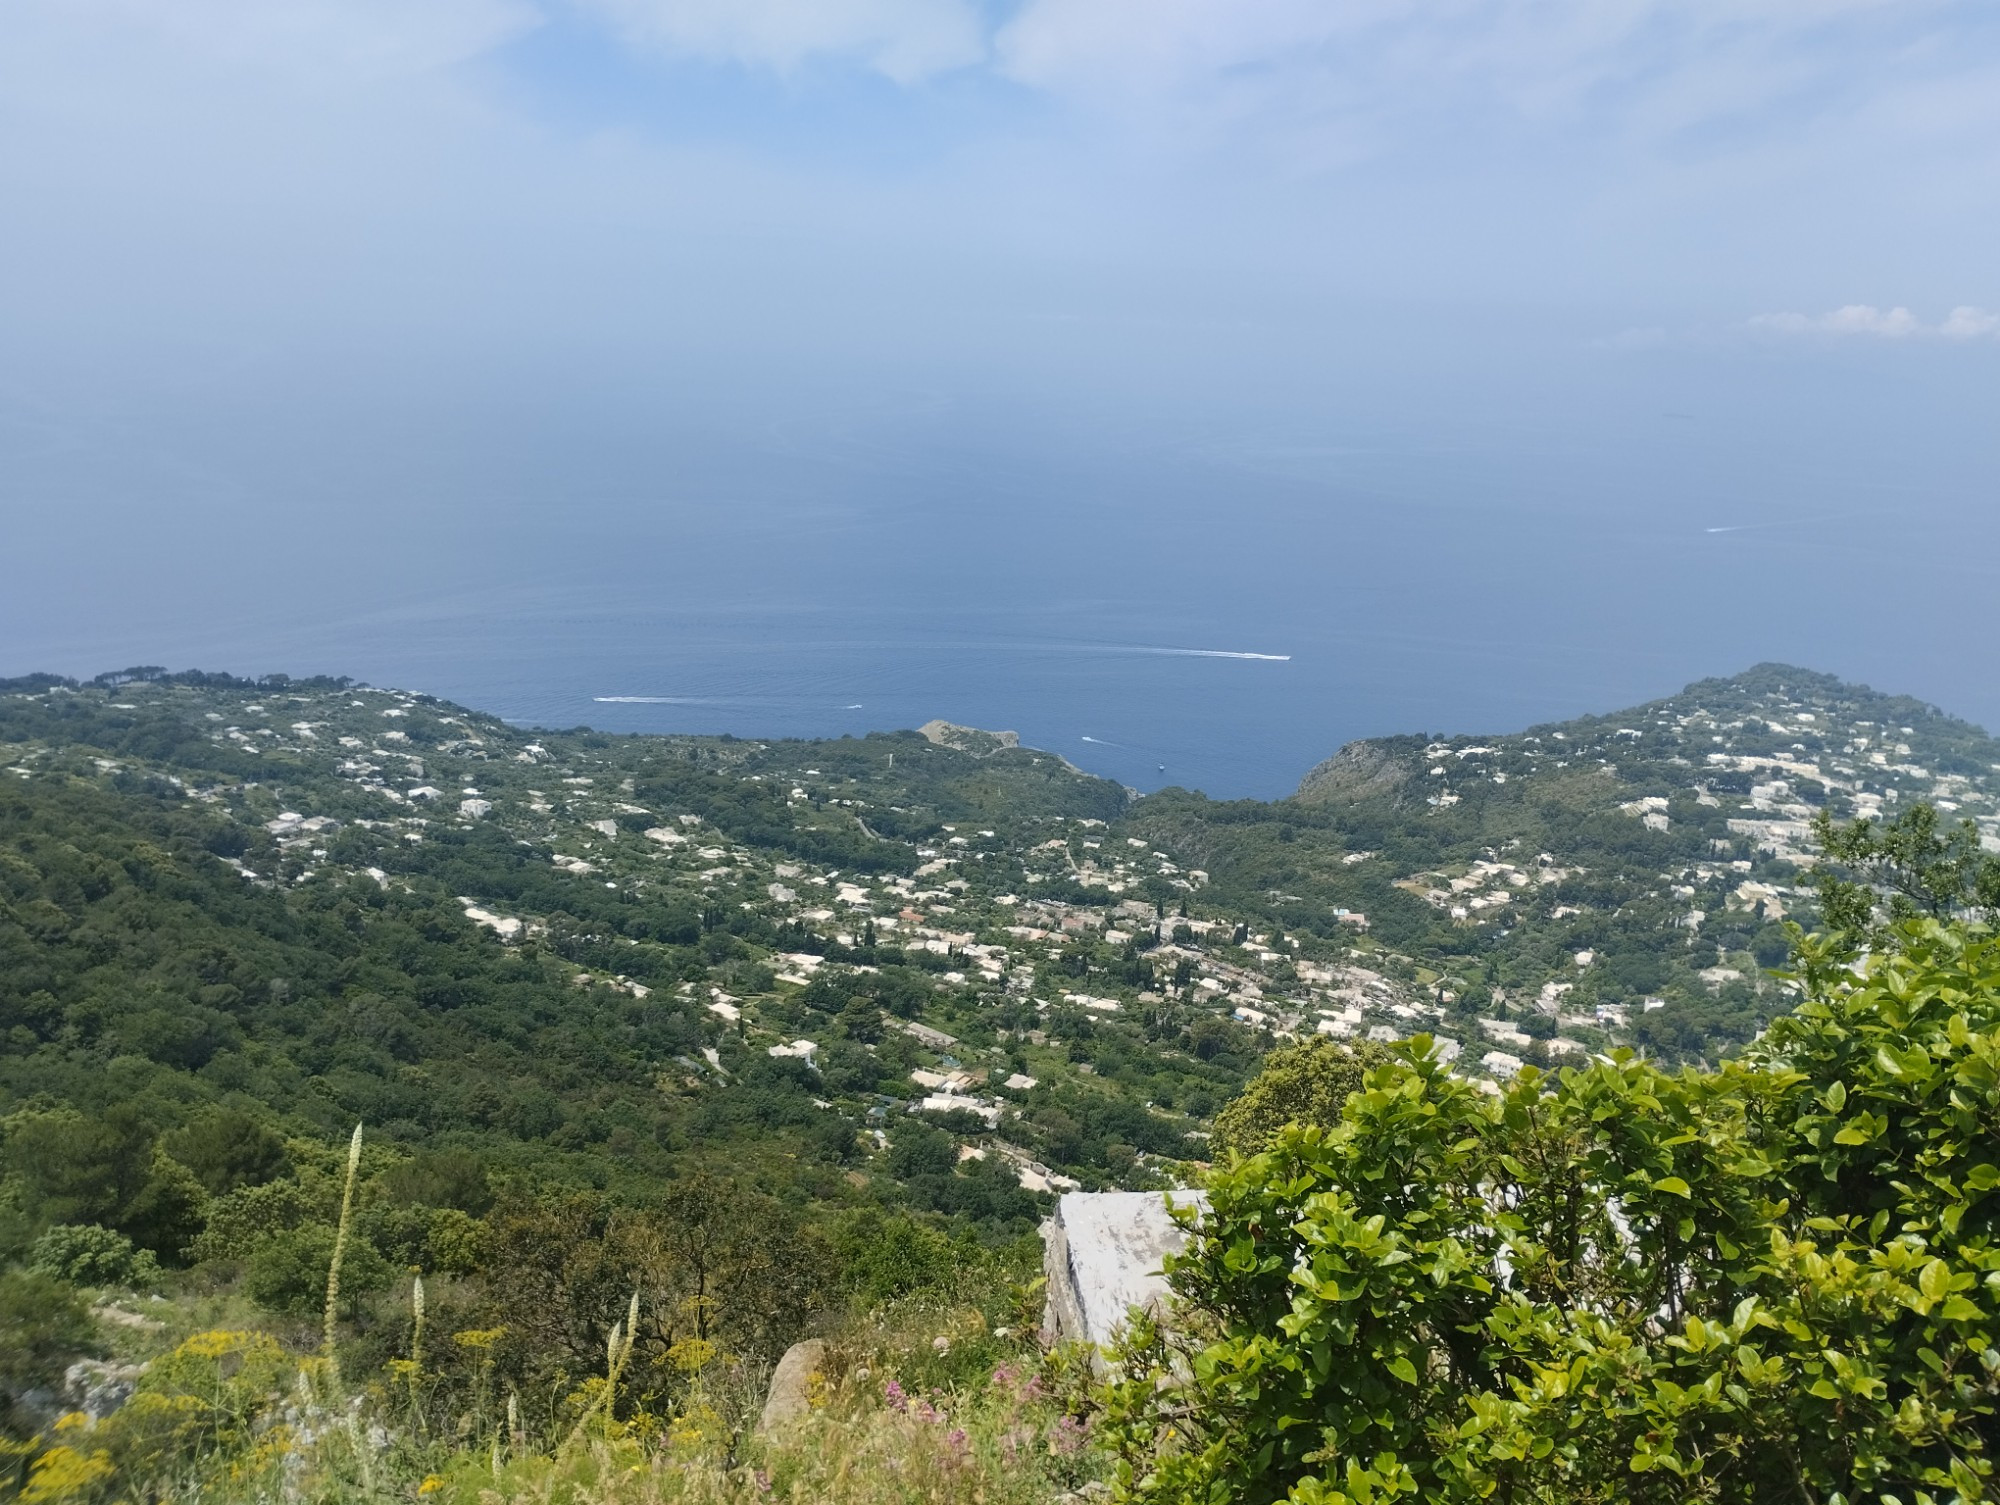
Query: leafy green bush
[
  {"x": 885, "y": 1257},
  {"x": 86, "y": 1255},
  {"x": 1774, "y": 1281},
  {"x": 287, "y": 1273},
  {"x": 43, "y": 1325},
  {"x": 250, "y": 1216}
]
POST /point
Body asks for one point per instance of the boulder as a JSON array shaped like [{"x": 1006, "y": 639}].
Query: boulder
[
  {"x": 97, "y": 1389},
  {"x": 1102, "y": 1253},
  {"x": 790, "y": 1396}
]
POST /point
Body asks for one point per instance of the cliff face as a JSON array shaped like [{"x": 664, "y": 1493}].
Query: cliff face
[{"x": 1370, "y": 769}]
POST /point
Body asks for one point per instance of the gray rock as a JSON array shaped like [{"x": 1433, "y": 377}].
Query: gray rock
[
  {"x": 790, "y": 1396},
  {"x": 1102, "y": 1253},
  {"x": 35, "y": 1408},
  {"x": 97, "y": 1388}
]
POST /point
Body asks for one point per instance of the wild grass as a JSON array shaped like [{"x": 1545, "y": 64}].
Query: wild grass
[
  {"x": 868, "y": 1442},
  {"x": 930, "y": 1400}
]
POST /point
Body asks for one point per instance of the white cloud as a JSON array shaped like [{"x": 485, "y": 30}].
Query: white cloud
[
  {"x": 1963, "y": 323},
  {"x": 906, "y": 40},
  {"x": 312, "y": 39},
  {"x": 1682, "y": 61},
  {"x": 1969, "y": 323}
]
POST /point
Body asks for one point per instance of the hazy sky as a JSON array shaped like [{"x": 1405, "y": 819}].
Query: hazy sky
[
  {"x": 253, "y": 170},
  {"x": 298, "y": 277}
]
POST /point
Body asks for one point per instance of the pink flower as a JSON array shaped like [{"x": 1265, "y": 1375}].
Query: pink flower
[
  {"x": 1068, "y": 1437},
  {"x": 893, "y": 1394}
]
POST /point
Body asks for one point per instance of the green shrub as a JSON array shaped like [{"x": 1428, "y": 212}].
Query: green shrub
[
  {"x": 287, "y": 1273},
  {"x": 888, "y": 1256},
  {"x": 43, "y": 1326},
  {"x": 1779, "y": 1280},
  {"x": 86, "y": 1255},
  {"x": 456, "y": 1244},
  {"x": 442, "y": 1178},
  {"x": 243, "y": 1220}
]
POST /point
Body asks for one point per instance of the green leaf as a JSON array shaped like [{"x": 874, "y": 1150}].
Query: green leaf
[
  {"x": 1835, "y": 1097},
  {"x": 1958, "y": 1309},
  {"x": 1935, "y": 1281},
  {"x": 1673, "y": 1186},
  {"x": 1403, "y": 1369}
]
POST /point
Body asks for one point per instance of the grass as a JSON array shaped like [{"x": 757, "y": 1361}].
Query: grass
[
  {"x": 867, "y": 1442},
  {"x": 924, "y": 1402},
  {"x": 933, "y": 1400}
]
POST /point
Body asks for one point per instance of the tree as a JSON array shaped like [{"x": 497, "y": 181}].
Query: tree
[
  {"x": 860, "y": 1020},
  {"x": 1915, "y": 864},
  {"x": 227, "y": 1149},
  {"x": 917, "y": 1149},
  {"x": 1306, "y": 1083},
  {"x": 1778, "y": 1280},
  {"x": 714, "y": 1263},
  {"x": 441, "y": 1178},
  {"x": 103, "y": 1170}
]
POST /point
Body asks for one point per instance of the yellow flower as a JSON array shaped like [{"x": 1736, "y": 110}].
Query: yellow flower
[
  {"x": 691, "y": 1355},
  {"x": 217, "y": 1344},
  {"x": 64, "y": 1473},
  {"x": 431, "y": 1485}
]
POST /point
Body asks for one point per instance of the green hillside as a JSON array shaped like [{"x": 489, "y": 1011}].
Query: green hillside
[
  {"x": 1615, "y": 877},
  {"x": 791, "y": 1035}
]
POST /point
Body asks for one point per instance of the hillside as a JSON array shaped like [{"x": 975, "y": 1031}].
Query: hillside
[
  {"x": 1617, "y": 877},
  {"x": 788, "y": 1030},
  {"x": 312, "y": 893},
  {"x": 606, "y": 960}
]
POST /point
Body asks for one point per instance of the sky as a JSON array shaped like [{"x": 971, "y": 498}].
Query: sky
[{"x": 313, "y": 312}]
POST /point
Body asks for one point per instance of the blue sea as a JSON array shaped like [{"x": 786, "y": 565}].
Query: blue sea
[{"x": 1163, "y": 595}]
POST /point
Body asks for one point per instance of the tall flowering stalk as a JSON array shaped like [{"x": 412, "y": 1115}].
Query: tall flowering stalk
[
  {"x": 327, "y": 1345},
  {"x": 617, "y": 1352},
  {"x": 416, "y": 1346}
]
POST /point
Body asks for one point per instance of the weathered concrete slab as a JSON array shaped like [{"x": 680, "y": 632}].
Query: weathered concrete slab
[{"x": 1102, "y": 1253}]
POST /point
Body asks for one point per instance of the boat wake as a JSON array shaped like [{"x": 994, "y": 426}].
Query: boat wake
[
  {"x": 739, "y": 701},
  {"x": 1267, "y": 658}
]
